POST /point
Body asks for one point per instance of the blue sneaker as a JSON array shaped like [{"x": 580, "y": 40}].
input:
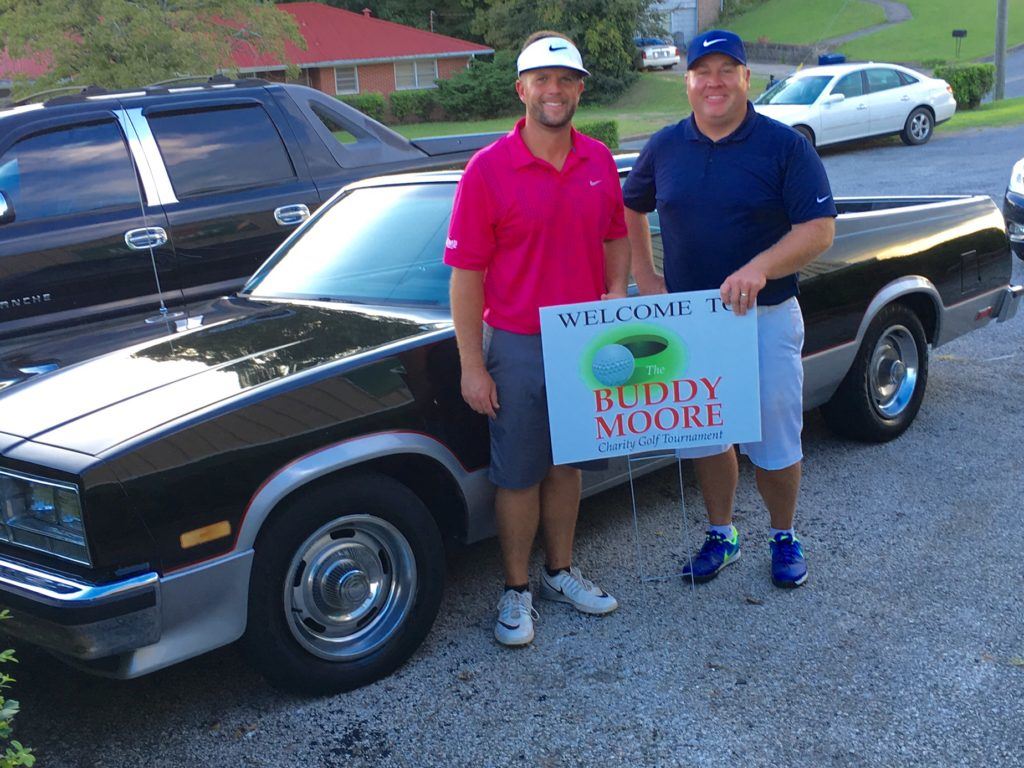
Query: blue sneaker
[
  {"x": 717, "y": 552},
  {"x": 788, "y": 566}
]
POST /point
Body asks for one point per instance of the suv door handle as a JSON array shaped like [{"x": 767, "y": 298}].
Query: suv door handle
[
  {"x": 289, "y": 215},
  {"x": 144, "y": 238},
  {"x": 862, "y": 106}
]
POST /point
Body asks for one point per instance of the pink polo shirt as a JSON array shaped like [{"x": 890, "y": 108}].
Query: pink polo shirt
[{"x": 538, "y": 233}]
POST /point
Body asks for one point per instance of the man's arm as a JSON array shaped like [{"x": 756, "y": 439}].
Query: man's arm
[
  {"x": 642, "y": 255},
  {"x": 797, "y": 248},
  {"x": 467, "y": 299},
  {"x": 616, "y": 268}
]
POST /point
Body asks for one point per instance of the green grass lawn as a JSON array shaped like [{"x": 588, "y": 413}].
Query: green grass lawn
[
  {"x": 1006, "y": 112},
  {"x": 801, "y": 22},
  {"x": 656, "y": 100},
  {"x": 928, "y": 35}
]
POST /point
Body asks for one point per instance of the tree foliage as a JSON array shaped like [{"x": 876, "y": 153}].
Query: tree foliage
[
  {"x": 119, "y": 44},
  {"x": 485, "y": 89},
  {"x": 603, "y": 30}
]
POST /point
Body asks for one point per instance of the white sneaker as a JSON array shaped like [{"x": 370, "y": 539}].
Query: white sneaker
[
  {"x": 570, "y": 587},
  {"x": 515, "y": 618}
]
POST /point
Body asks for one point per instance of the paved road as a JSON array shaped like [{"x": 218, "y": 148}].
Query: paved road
[{"x": 905, "y": 648}]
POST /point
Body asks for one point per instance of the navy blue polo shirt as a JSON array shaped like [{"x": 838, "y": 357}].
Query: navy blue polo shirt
[{"x": 723, "y": 202}]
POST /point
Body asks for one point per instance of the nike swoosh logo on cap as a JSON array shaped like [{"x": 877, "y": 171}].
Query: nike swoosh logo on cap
[
  {"x": 822, "y": 199},
  {"x": 712, "y": 42},
  {"x": 559, "y": 48}
]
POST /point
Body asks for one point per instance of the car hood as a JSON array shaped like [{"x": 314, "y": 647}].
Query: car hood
[
  {"x": 95, "y": 405},
  {"x": 789, "y": 114}
]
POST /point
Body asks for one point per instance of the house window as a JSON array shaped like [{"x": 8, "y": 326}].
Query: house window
[
  {"x": 346, "y": 80},
  {"x": 417, "y": 73}
]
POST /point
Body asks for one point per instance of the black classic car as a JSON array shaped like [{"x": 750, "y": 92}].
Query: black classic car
[{"x": 290, "y": 472}]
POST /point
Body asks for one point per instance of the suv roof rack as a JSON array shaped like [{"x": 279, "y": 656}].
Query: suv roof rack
[{"x": 72, "y": 94}]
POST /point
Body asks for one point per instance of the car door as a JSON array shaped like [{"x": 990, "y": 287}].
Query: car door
[
  {"x": 237, "y": 191},
  {"x": 848, "y": 118},
  {"x": 81, "y": 247},
  {"x": 888, "y": 100}
]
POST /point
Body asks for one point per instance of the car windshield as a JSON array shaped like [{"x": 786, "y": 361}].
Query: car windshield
[
  {"x": 376, "y": 245},
  {"x": 795, "y": 90}
]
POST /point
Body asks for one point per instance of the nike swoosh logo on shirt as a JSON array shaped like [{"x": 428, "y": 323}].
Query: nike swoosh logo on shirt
[
  {"x": 595, "y": 183},
  {"x": 823, "y": 199},
  {"x": 712, "y": 42}
]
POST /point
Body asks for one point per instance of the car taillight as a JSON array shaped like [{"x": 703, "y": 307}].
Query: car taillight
[
  {"x": 643, "y": 54},
  {"x": 675, "y": 51}
]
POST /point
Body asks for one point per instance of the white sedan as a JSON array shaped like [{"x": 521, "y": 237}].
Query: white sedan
[{"x": 840, "y": 102}]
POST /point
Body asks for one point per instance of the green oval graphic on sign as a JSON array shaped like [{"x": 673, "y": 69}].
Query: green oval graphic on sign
[{"x": 633, "y": 353}]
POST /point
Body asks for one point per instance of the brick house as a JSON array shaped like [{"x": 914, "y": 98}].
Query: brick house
[{"x": 350, "y": 53}]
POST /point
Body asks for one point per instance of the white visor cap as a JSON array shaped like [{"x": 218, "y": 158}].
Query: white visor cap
[{"x": 551, "y": 52}]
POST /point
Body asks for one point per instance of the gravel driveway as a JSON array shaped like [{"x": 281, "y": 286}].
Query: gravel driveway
[{"x": 905, "y": 648}]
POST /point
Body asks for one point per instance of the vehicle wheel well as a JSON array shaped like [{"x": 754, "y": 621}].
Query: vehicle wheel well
[
  {"x": 808, "y": 132},
  {"x": 923, "y": 306},
  {"x": 427, "y": 478}
]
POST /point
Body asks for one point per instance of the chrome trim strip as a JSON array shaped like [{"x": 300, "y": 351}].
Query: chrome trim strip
[
  {"x": 149, "y": 161},
  {"x": 50, "y": 589}
]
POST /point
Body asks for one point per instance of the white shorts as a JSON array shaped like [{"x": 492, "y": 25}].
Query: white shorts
[{"x": 780, "y": 341}]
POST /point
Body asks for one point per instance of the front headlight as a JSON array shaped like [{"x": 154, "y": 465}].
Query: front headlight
[
  {"x": 42, "y": 514},
  {"x": 1017, "y": 177}
]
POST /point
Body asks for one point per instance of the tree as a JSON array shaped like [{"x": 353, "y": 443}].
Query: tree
[
  {"x": 121, "y": 44},
  {"x": 603, "y": 30}
]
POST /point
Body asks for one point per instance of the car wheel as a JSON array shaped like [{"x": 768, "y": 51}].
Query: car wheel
[
  {"x": 918, "y": 128},
  {"x": 882, "y": 392},
  {"x": 806, "y": 132},
  {"x": 669, "y": 66},
  {"x": 346, "y": 583}
]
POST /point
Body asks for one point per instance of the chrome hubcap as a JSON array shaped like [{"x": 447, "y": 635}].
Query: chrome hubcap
[
  {"x": 892, "y": 374},
  {"x": 349, "y": 587}
]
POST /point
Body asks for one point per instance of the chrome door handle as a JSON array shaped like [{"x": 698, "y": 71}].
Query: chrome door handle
[
  {"x": 289, "y": 215},
  {"x": 862, "y": 106},
  {"x": 144, "y": 238}
]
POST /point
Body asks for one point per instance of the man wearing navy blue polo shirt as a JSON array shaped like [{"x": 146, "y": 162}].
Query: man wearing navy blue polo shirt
[{"x": 744, "y": 203}]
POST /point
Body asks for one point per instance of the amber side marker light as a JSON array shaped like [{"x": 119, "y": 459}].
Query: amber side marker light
[{"x": 207, "y": 533}]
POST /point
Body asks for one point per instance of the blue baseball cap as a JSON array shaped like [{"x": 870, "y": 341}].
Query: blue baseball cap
[{"x": 715, "y": 41}]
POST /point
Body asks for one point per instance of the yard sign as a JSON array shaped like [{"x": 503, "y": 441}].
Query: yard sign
[{"x": 649, "y": 373}]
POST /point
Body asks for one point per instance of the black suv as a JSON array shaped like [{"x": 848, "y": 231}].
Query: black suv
[{"x": 122, "y": 213}]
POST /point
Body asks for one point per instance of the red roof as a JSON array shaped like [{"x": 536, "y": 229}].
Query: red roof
[
  {"x": 334, "y": 36},
  {"x": 31, "y": 68}
]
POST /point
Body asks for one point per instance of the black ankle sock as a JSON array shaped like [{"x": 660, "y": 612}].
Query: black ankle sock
[
  {"x": 554, "y": 572},
  {"x": 518, "y": 588}
]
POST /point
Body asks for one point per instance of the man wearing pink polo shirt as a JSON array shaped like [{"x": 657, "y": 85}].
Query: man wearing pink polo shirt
[{"x": 538, "y": 220}]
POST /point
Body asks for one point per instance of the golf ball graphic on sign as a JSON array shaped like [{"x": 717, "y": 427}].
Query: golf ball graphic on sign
[{"x": 613, "y": 364}]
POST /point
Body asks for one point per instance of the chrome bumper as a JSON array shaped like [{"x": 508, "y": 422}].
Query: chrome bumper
[
  {"x": 80, "y": 620},
  {"x": 1007, "y": 306}
]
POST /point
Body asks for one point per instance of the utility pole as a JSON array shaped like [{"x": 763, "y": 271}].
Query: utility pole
[
  {"x": 432, "y": 18},
  {"x": 1000, "y": 50}
]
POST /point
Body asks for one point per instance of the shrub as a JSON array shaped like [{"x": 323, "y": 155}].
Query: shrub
[
  {"x": 606, "y": 131},
  {"x": 370, "y": 104},
  {"x": 485, "y": 89},
  {"x": 14, "y": 753},
  {"x": 970, "y": 82},
  {"x": 412, "y": 105}
]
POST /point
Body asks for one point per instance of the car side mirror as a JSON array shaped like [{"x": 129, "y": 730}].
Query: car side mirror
[
  {"x": 835, "y": 98},
  {"x": 6, "y": 209}
]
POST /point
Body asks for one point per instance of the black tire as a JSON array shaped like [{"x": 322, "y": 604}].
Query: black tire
[
  {"x": 806, "y": 132},
  {"x": 882, "y": 392},
  {"x": 919, "y": 127},
  {"x": 346, "y": 583}
]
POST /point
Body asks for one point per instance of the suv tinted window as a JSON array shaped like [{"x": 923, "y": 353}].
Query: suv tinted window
[
  {"x": 883, "y": 80},
  {"x": 210, "y": 151},
  {"x": 70, "y": 170}
]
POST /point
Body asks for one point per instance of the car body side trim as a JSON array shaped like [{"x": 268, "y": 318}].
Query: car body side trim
[{"x": 350, "y": 453}]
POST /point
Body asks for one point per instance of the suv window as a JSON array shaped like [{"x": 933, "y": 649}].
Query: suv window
[
  {"x": 210, "y": 151},
  {"x": 851, "y": 85},
  {"x": 883, "y": 80},
  {"x": 67, "y": 171}
]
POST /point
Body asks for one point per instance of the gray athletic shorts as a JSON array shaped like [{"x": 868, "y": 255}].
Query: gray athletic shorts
[{"x": 520, "y": 435}]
